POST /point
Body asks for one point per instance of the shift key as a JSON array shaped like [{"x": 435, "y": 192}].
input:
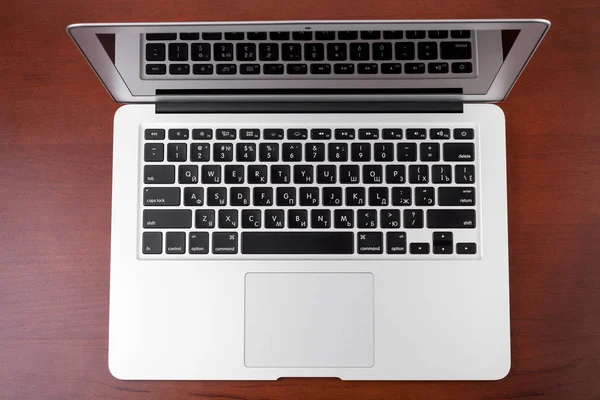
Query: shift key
[
  {"x": 158, "y": 218},
  {"x": 451, "y": 218}
]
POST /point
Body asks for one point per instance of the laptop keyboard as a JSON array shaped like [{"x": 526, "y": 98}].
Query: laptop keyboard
[
  {"x": 321, "y": 54},
  {"x": 390, "y": 192}
]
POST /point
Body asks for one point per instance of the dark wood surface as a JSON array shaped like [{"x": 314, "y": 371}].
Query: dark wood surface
[{"x": 55, "y": 186}]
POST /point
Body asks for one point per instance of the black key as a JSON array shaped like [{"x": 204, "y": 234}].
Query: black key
[
  {"x": 361, "y": 152},
  {"x": 152, "y": 242},
  {"x": 462, "y": 67},
  {"x": 178, "y": 52},
  {"x": 359, "y": 51},
  {"x": 202, "y": 134},
  {"x": 273, "y": 69},
  {"x": 355, "y": 196},
  {"x": 211, "y": 174},
  {"x": 268, "y": 51},
  {"x": 427, "y": 50},
  {"x": 407, "y": 152},
  {"x": 325, "y": 35},
  {"x": 344, "y": 134},
  {"x": 395, "y": 173},
  {"x": 320, "y": 69},
  {"x": 438, "y": 68},
  {"x": 466, "y": 248},
  {"x": 216, "y": 196},
  {"x": 205, "y": 219},
  {"x": 291, "y": 152},
  {"x": 162, "y": 196},
  {"x": 223, "y": 52},
  {"x": 442, "y": 243},
  {"x": 370, "y": 243},
  {"x": 286, "y": 196},
  {"x": 200, "y": 152},
  {"x": 175, "y": 243},
  {"x": 159, "y": 218},
  {"x": 391, "y": 68},
  {"x": 273, "y": 134},
  {"x": 320, "y": 219},
  {"x": 343, "y": 219},
  {"x": 179, "y": 134},
  {"x": 349, "y": 173},
  {"x": 314, "y": 52},
  {"x": 161, "y": 36},
  {"x": 416, "y": 134},
  {"x": 343, "y": 69},
  {"x": 257, "y": 174},
  {"x": 401, "y": 196},
  {"x": 302, "y": 35},
  {"x": 297, "y": 69},
  {"x": 154, "y": 152},
  {"x": 179, "y": 69},
  {"x": 418, "y": 174},
  {"x": 419, "y": 248},
  {"x": 156, "y": 69},
  {"x": 382, "y": 51},
  {"x": 223, "y": 151},
  {"x": 368, "y": 134},
  {"x": 459, "y": 152},
  {"x": 395, "y": 133},
  {"x": 413, "y": 219},
  {"x": 384, "y": 152},
  {"x": 193, "y": 196},
  {"x": 189, "y": 36},
  {"x": 455, "y": 50},
  {"x": 297, "y": 134},
  {"x": 274, "y": 219},
  {"x": 424, "y": 196},
  {"x": 437, "y": 34},
  {"x": 336, "y": 51},
  {"x": 320, "y": 134},
  {"x": 414, "y": 68},
  {"x": 200, "y": 52},
  {"x": 211, "y": 36},
  {"x": 393, "y": 34},
  {"x": 441, "y": 174},
  {"x": 337, "y": 152},
  {"x": 370, "y": 35},
  {"x": 279, "y": 35},
  {"x": 291, "y": 51},
  {"x": 239, "y": 196},
  {"x": 430, "y": 151},
  {"x": 297, "y": 219},
  {"x": 463, "y": 133},
  {"x": 309, "y": 196},
  {"x": 378, "y": 196},
  {"x": 367, "y": 69},
  {"x": 328, "y": 242},
  {"x": 262, "y": 196},
  {"x": 245, "y": 152},
  {"x": 347, "y": 35},
  {"x": 245, "y": 51},
  {"x": 177, "y": 152},
  {"x": 415, "y": 34},
  {"x": 249, "y": 134},
  {"x": 251, "y": 219},
  {"x": 395, "y": 242},
  {"x": 462, "y": 34},
  {"x": 390, "y": 219},
  {"x": 155, "y": 52},
  {"x": 203, "y": 69},
  {"x": 224, "y": 242},
  {"x": 366, "y": 218},
  {"x": 439, "y": 133},
  {"x": 464, "y": 173},
  {"x": 257, "y": 35},
  {"x": 451, "y": 218},
  {"x": 268, "y": 152},
  {"x": 228, "y": 219},
  {"x": 234, "y": 35},
  {"x": 456, "y": 196},
  {"x": 280, "y": 174},
  {"x": 226, "y": 69},
  {"x": 303, "y": 174},
  {"x": 326, "y": 173},
  {"x": 332, "y": 196},
  {"x": 159, "y": 174},
  {"x": 249, "y": 69},
  {"x": 372, "y": 173},
  {"x": 405, "y": 51},
  {"x": 198, "y": 243},
  {"x": 188, "y": 174}
]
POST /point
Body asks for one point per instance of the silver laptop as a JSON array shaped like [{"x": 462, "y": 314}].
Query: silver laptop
[{"x": 309, "y": 198}]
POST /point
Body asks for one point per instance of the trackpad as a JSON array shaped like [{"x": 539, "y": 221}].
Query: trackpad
[{"x": 309, "y": 320}]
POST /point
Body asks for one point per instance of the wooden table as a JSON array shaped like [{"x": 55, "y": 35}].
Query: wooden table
[{"x": 55, "y": 182}]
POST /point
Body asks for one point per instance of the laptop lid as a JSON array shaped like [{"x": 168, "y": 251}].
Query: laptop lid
[{"x": 445, "y": 60}]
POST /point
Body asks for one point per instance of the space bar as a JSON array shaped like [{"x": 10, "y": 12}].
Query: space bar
[{"x": 297, "y": 243}]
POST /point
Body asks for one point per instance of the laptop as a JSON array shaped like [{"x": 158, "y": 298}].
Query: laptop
[{"x": 309, "y": 198}]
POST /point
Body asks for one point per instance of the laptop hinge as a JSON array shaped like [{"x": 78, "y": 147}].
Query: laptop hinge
[{"x": 267, "y": 107}]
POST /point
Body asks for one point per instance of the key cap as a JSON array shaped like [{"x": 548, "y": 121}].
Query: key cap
[
  {"x": 320, "y": 219},
  {"x": 343, "y": 69},
  {"x": 286, "y": 196},
  {"x": 297, "y": 69},
  {"x": 245, "y": 152},
  {"x": 161, "y": 36},
  {"x": 382, "y": 51},
  {"x": 234, "y": 174},
  {"x": 324, "y": 242},
  {"x": 332, "y": 196},
  {"x": 200, "y": 152},
  {"x": 291, "y": 152},
  {"x": 159, "y": 218},
  {"x": 466, "y": 248},
  {"x": 442, "y": 243},
  {"x": 359, "y": 51},
  {"x": 326, "y": 174},
  {"x": 175, "y": 243},
  {"x": 320, "y": 69},
  {"x": 372, "y": 173},
  {"x": 297, "y": 219},
  {"x": 234, "y": 35},
  {"x": 439, "y": 134},
  {"x": 193, "y": 196},
  {"x": 297, "y": 134},
  {"x": 251, "y": 219},
  {"x": 291, "y": 51},
  {"x": 407, "y": 152},
  {"x": 279, "y": 35},
  {"x": 177, "y": 152},
  {"x": 368, "y": 134},
  {"x": 378, "y": 196},
  {"x": 455, "y": 50},
  {"x": 155, "y": 52},
  {"x": 361, "y": 152},
  {"x": 370, "y": 35},
  {"x": 162, "y": 196},
  {"x": 320, "y": 134},
  {"x": 249, "y": 69},
  {"x": 257, "y": 174},
  {"x": 419, "y": 248},
  {"x": 202, "y": 134},
  {"x": 456, "y": 196},
  {"x": 302, "y": 35},
  {"x": 370, "y": 243},
  {"x": 203, "y": 69},
  {"x": 189, "y": 36},
  {"x": 198, "y": 243},
  {"x": 401, "y": 196},
  {"x": 413, "y": 218},
  {"x": 273, "y": 69},
  {"x": 226, "y": 134},
  {"x": 154, "y": 152},
  {"x": 178, "y": 51},
  {"x": 314, "y": 52},
  {"x": 336, "y": 51},
  {"x": 337, "y": 152},
  {"x": 239, "y": 196},
  {"x": 211, "y": 35},
  {"x": 154, "y": 134},
  {"x": 325, "y": 35},
  {"x": 228, "y": 219},
  {"x": 344, "y": 134},
  {"x": 405, "y": 50},
  {"x": 391, "y": 68},
  {"x": 314, "y": 151},
  {"x": 159, "y": 174},
  {"x": 425, "y": 196},
  {"x": 368, "y": 69},
  {"x": 223, "y": 52},
  {"x": 216, "y": 196},
  {"x": 249, "y": 134},
  {"x": 427, "y": 50},
  {"x": 245, "y": 51},
  {"x": 462, "y": 67},
  {"x": 416, "y": 134},
  {"x": 418, "y": 174},
  {"x": 441, "y": 174},
  {"x": 390, "y": 219},
  {"x": 383, "y": 152},
  {"x": 395, "y": 174},
  {"x": 347, "y": 35},
  {"x": 152, "y": 243},
  {"x": 459, "y": 152},
  {"x": 257, "y": 35},
  {"x": 268, "y": 52},
  {"x": 274, "y": 219},
  {"x": 343, "y": 219},
  {"x": 429, "y": 151},
  {"x": 415, "y": 34},
  {"x": 395, "y": 242},
  {"x": 309, "y": 196},
  {"x": 205, "y": 219},
  {"x": 303, "y": 174},
  {"x": 223, "y": 152},
  {"x": 268, "y": 152},
  {"x": 393, "y": 34},
  {"x": 355, "y": 196},
  {"x": 437, "y": 34},
  {"x": 438, "y": 68},
  {"x": 465, "y": 173},
  {"x": 263, "y": 196},
  {"x": 179, "y": 69},
  {"x": 224, "y": 242},
  {"x": 179, "y": 134},
  {"x": 211, "y": 174},
  {"x": 366, "y": 218},
  {"x": 349, "y": 173},
  {"x": 188, "y": 174},
  {"x": 200, "y": 52},
  {"x": 280, "y": 174},
  {"x": 462, "y": 34},
  {"x": 414, "y": 68},
  {"x": 464, "y": 133},
  {"x": 451, "y": 218}
]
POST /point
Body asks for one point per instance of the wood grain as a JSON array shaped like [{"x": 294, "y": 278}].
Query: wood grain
[{"x": 55, "y": 177}]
